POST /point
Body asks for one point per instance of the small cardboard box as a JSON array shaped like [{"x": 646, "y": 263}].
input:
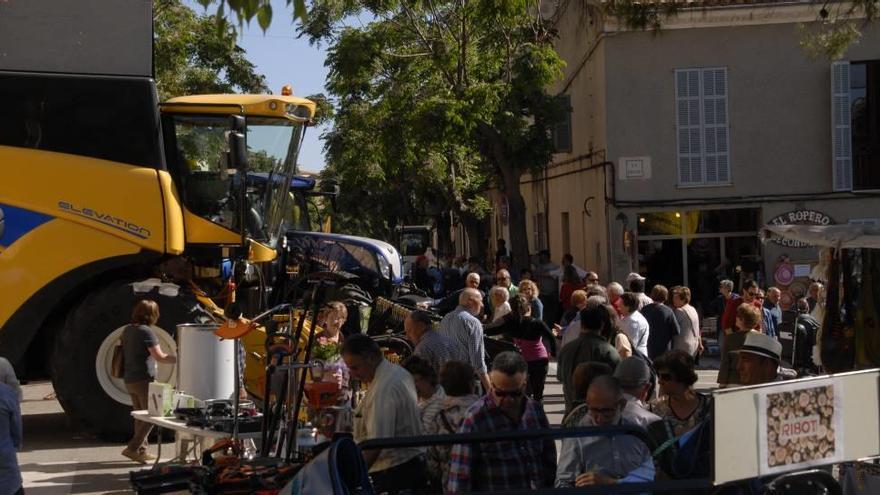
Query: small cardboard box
[{"x": 160, "y": 399}]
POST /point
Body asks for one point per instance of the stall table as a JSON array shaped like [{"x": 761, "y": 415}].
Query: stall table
[{"x": 198, "y": 434}]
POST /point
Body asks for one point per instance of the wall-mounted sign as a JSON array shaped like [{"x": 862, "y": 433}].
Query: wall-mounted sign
[
  {"x": 800, "y": 425},
  {"x": 799, "y": 217},
  {"x": 634, "y": 168}
]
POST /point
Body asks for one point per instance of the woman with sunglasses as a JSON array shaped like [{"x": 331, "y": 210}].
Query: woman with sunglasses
[{"x": 679, "y": 404}]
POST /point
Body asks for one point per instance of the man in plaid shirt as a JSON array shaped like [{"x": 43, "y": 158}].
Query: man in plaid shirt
[{"x": 503, "y": 464}]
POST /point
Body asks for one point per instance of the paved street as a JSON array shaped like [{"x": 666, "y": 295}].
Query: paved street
[{"x": 58, "y": 460}]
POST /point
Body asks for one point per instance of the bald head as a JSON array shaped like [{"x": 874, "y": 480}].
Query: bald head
[{"x": 472, "y": 300}]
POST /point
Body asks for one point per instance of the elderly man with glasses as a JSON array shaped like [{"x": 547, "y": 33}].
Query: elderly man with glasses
[
  {"x": 604, "y": 460},
  {"x": 503, "y": 464}
]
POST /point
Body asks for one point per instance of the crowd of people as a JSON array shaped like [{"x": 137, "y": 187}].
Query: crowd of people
[{"x": 625, "y": 356}]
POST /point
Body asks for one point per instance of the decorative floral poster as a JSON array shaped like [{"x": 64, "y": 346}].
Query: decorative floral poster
[{"x": 800, "y": 425}]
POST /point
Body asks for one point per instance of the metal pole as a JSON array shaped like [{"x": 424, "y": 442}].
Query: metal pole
[{"x": 237, "y": 393}]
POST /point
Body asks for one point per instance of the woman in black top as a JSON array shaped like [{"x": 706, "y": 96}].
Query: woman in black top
[
  {"x": 142, "y": 351},
  {"x": 529, "y": 335}
]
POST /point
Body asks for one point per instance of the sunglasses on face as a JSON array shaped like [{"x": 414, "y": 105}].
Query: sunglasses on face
[
  {"x": 594, "y": 280},
  {"x": 666, "y": 377}
]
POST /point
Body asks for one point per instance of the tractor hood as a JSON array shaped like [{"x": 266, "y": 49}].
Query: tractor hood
[{"x": 358, "y": 255}]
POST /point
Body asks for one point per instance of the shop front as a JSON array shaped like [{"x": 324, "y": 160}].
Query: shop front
[{"x": 697, "y": 248}]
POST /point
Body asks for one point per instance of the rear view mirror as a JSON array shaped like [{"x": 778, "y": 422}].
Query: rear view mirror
[{"x": 238, "y": 152}]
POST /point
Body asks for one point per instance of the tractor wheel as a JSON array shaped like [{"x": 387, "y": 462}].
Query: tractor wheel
[{"x": 84, "y": 348}]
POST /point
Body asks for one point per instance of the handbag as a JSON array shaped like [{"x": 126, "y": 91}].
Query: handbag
[{"x": 117, "y": 361}]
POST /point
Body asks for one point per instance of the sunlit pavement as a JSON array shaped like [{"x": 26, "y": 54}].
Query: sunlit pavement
[{"x": 57, "y": 459}]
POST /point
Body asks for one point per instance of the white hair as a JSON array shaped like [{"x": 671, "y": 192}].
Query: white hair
[
  {"x": 615, "y": 288},
  {"x": 502, "y": 291}
]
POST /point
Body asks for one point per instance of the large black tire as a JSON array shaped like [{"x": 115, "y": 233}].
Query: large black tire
[{"x": 74, "y": 373}]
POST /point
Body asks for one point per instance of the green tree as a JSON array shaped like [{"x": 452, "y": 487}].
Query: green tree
[
  {"x": 193, "y": 56},
  {"x": 434, "y": 100}
]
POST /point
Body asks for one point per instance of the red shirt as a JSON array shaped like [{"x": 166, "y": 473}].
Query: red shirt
[{"x": 728, "y": 320}]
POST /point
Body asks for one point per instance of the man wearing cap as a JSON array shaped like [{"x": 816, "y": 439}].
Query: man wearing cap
[
  {"x": 758, "y": 359},
  {"x": 635, "y": 379},
  {"x": 636, "y": 284}
]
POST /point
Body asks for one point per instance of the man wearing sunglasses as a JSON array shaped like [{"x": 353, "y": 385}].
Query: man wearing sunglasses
[
  {"x": 604, "y": 460},
  {"x": 503, "y": 464}
]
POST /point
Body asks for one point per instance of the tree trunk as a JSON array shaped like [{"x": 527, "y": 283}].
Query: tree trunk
[
  {"x": 492, "y": 147},
  {"x": 445, "y": 247},
  {"x": 516, "y": 219},
  {"x": 475, "y": 236}
]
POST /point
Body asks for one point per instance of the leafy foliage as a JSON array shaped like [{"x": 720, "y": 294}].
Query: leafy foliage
[
  {"x": 246, "y": 10},
  {"x": 436, "y": 99},
  {"x": 193, "y": 57}
]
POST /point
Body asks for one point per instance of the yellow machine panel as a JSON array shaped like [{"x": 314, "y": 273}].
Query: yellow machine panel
[
  {"x": 39, "y": 256},
  {"x": 120, "y": 200}
]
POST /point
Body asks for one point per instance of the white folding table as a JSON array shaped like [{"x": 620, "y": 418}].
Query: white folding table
[{"x": 197, "y": 434}]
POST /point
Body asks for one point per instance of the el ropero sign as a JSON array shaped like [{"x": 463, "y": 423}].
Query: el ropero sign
[{"x": 799, "y": 217}]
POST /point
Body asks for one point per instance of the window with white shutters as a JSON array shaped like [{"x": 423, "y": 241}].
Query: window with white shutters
[
  {"x": 703, "y": 137},
  {"x": 841, "y": 126}
]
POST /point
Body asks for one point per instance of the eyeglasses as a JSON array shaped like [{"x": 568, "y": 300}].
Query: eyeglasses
[
  {"x": 752, "y": 294},
  {"x": 603, "y": 411},
  {"x": 594, "y": 280}
]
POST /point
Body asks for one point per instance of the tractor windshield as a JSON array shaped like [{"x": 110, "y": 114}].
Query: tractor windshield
[
  {"x": 209, "y": 182},
  {"x": 273, "y": 148}
]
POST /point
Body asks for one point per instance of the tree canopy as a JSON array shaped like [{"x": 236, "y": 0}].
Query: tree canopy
[
  {"x": 435, "y": 101},
  {"x": 192, "y": 56}
]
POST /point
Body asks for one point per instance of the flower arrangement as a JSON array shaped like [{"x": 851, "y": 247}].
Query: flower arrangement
[{"x": 325, "y": 350}]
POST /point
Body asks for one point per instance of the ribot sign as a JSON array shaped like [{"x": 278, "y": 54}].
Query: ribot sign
[{"x": 799, "y": 217}]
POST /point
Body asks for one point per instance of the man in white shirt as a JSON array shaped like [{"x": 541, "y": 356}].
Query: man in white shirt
[
  {"x": 604, "y": 460},
  {"x": 633, "y": 324},
  {"x": 388, "y": 410}
]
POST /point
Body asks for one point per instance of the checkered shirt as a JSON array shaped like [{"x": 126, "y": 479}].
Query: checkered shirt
[{"x": 503, "y": 464}]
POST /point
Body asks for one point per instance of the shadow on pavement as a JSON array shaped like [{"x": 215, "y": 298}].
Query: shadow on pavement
[
  {"x": 78, "y": 481},
  {"x": 65, "y": 467}
]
